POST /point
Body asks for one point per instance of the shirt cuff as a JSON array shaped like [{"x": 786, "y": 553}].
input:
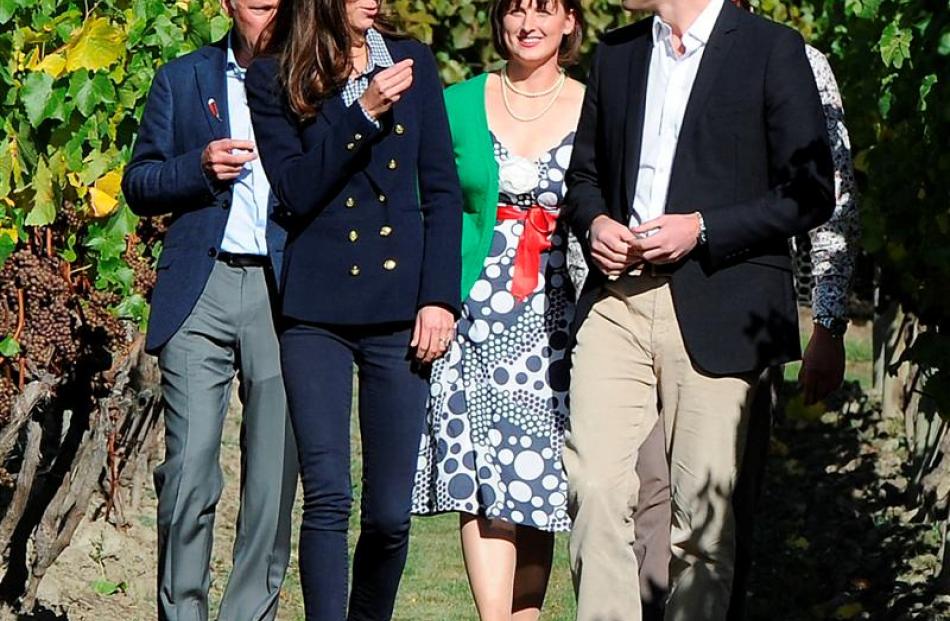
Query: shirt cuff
[{"x": 368, "y": 116}]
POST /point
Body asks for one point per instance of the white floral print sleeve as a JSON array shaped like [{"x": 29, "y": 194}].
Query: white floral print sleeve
[{"x": 834, "y": 244}]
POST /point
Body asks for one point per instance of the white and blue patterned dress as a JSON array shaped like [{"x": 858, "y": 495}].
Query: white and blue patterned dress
[{"x": 498, "y": 404}]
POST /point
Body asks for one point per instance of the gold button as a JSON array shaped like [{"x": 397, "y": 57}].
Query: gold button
[
  {"x": 357, "y": 136},
  {"x": 400, "y": 129},
  {"x": 386, "y": 231},
  {"x": 389, "y": 264},
  {"x": 382, "y": 198},
  {"x": 350, "y": 146},
  {"x": 392, "y": 165},
  {"x": 354, "y": 235},
  {"x": 350, "y": 202},
  {"x": 355, "y": 270}
]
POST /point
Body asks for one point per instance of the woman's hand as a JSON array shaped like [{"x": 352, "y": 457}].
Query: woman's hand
[
  {"x": 386, "y": 88},
  {"x": 434, "y": 331}
]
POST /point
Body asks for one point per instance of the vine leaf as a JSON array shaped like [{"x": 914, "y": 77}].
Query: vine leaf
[
  {"x": 44, "y": 202},
  {"x": 9, "y": 347},
  {"x": 35, "y": 95},
  {"x": 895, "y": 45},
  {"x": 53, "y": 64},
  {"x": 97, "y": 46},
  {"x": 104, "y": 194}
]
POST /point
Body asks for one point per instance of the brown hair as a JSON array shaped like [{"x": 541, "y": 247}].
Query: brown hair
[
  {"x": 312, "y": 41},
  {"x": 570, "y": 50}
]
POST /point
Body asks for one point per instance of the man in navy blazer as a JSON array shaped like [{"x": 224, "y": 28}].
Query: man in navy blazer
[{"x": 195, "y": 158}]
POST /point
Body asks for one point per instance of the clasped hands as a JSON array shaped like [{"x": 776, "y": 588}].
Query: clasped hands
[{"x": 616, "y": 248}]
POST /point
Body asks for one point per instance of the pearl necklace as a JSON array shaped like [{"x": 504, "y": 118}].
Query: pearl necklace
[
  {"x": 556, "y": 89},
  {"x": 511, "y": 85}
]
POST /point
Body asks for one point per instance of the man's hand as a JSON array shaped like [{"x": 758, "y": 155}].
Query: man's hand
[
  {"x": 675, "y": 237},
  {"x": 610, "y": 246},
  {"x": 434, "y": 331},
  {"x": 222, "y": 160},
  {"x": 386, "y": 88},
  {"x": 822, "y": 365}
]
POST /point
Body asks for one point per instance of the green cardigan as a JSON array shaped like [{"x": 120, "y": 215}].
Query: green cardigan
[{"x": 478, "y": 173}]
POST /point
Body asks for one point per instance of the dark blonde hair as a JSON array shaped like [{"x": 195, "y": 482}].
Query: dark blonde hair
[
  {"x": 312, "y": 41},
  {"x": 570, "y": 50}
]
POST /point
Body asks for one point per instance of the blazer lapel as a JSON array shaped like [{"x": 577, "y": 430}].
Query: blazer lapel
[
  {"x": 639, "y": 71},
  {"x": 213, "y": 87},
  {"x": 714, "y": 58}
]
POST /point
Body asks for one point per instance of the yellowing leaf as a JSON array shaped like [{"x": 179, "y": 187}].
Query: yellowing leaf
[
  {"x": 110, "y": 183},
  {"x": 54, "y": 64},
  {"x": 10, "y": 232},
  {"x": 102, "y": 203},
  {"x": 98, "y": 45}
]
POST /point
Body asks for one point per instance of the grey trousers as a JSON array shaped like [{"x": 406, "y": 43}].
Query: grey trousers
[{"x": 231, "y": 329}]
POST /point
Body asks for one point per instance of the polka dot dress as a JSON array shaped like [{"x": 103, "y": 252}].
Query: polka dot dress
[{"x": 498, "y": 399}]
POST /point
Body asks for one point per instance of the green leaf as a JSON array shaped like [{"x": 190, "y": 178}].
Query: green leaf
[
  {"x": 108, "y": 587},
  {"x": 88, "y": 93},
  {"x": 895, "y": 44},
  {"x": 219, "y": 27},
  {"x": 944, "y": 47},
  {"x": 133, "y": 307},
  {"x": 44, "y": 197},
  {"x": 9, "y": 347},
  {"x": 7, "y": 246},
  {"x": 35, "y": 94},
  {"x": 925, "y": 87},
  {"x": 7, "y": 8}
]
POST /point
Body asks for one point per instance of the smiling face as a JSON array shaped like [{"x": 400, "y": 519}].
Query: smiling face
[
  {"x": 362, "y": 14},
  {"x": 532, "y": 31}
]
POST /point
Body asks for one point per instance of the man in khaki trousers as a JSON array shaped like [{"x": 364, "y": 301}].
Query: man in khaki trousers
[{"x": 701, "y": 149}]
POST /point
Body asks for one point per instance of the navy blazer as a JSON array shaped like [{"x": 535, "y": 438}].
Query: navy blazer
[
  {"x": 752, "y": 157},
  {"x": 373, "y": 213},
  {"x": 165, "y": 176}
]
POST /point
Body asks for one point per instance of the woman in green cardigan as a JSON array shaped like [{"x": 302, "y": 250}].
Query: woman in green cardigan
[{"x": 498, "y": 399}]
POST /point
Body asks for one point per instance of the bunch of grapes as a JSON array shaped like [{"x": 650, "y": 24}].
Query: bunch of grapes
[
  {"x": 8, "y": 392},
  {"x": 142, "y": 269},
  {"x": 102, "y": 327},
  {"x": 50, "y": 309}
]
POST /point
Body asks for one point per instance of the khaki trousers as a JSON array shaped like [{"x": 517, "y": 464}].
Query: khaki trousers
[{"x": 630, "y": 363}]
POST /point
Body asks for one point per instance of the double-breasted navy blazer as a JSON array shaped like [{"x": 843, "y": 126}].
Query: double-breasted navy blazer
[
  {"x": 164, "y": 176},
  {"x": 373, "y": 213}
]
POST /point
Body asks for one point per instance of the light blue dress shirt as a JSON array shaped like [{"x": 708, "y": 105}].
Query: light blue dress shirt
[{"x": 246, "y": 230}]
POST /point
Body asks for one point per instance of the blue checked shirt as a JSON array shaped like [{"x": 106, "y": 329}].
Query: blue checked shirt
[{"x": 379, "y": 56}]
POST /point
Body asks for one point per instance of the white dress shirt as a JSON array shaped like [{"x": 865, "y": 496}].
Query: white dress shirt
[
  {"x": 669, "y": 85},
  {"x": 246, "y": 230}
]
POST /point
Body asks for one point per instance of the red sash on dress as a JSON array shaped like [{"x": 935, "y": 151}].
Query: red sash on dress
[{"x": 539, "y": 224}]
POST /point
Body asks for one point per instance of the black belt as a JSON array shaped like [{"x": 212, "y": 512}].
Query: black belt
[{"x": 244, "y": 260}]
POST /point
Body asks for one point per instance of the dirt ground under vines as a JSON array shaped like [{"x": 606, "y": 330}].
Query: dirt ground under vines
[{"x": 834, "y": 540}]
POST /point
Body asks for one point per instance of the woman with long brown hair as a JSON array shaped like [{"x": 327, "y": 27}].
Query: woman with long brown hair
[
  {"x": 353, "y": 136},
  {"x": 498, "y": 402}
]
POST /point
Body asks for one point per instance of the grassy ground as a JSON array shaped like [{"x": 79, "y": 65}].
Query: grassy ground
[{"x": 833, "y": 541}]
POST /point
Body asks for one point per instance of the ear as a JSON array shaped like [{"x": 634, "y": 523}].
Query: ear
[
  {"x": 227, "y": 7},
  {"x": 570, "y": 23}
]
